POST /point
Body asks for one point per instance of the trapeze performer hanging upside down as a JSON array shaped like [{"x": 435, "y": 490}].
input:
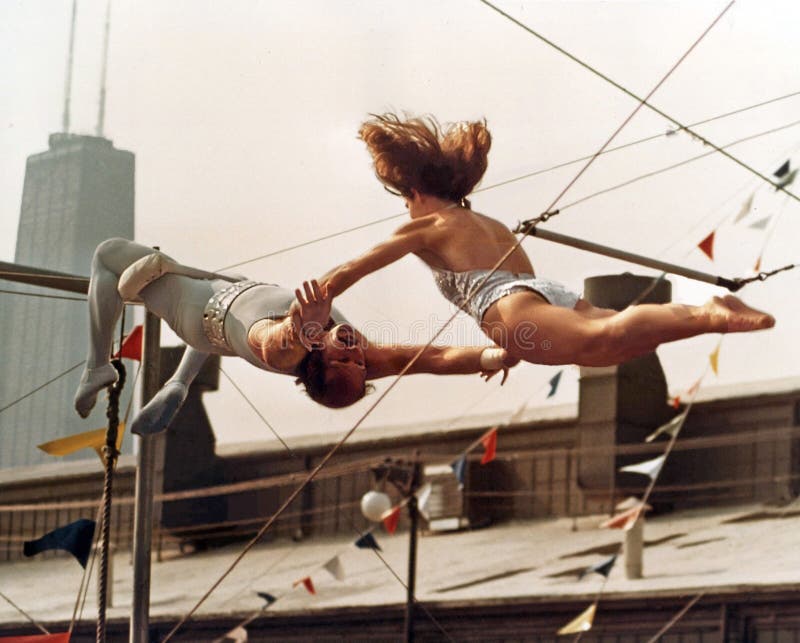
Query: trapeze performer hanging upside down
[
  {"x": 535, "y": 319},
  {"x": 293, "y": 333}
]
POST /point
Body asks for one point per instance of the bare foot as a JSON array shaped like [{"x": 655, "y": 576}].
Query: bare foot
[{"x": 734, "y": 316}]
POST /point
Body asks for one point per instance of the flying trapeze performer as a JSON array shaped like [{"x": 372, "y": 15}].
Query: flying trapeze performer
[
  {"x": 535, "y": 319},
  {"x": 294, "y": 333}
]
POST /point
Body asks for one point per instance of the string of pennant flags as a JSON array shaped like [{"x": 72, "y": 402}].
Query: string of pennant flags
[
  {"x": 76, "y": 538},
  {"x": 785, "y": 176}
]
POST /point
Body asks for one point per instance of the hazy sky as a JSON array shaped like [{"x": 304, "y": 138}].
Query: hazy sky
[{"x": 243, "y": 119}]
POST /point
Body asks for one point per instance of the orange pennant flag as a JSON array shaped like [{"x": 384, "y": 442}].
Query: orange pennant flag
[
  {"x": 707, "y": 245},
  {"x": 132, "y": 345},
  {"x": 391, "y": 518},
  {"x": 757, "y": 266},
  {"x": 489, "y": 442},
  {"x": 676, "y": 402},
  {"x": 306, "y": 583}
]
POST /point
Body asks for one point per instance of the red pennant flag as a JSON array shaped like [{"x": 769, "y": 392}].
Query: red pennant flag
[
  {"x": 391, "y": 518},
  {"x": 676, "y": 402},
  {"x": 62, "y": 637},
  {"x": 707, "y": 245},
  {"x": 306, "y": 583},
  {"x": 132, "y": 345},
  {"x": 489, "y": 442},
  {"x": 625, "y": 519}
]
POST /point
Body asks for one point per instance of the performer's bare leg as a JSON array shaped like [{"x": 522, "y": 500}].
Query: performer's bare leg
[{"x": 533, "y": 330}]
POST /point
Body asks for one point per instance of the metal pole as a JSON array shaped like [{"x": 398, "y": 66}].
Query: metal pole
[
  {"x": 731, "y": 284},
  {"x": 146, "y": 472},
  {"x": 413, "y": 513}
]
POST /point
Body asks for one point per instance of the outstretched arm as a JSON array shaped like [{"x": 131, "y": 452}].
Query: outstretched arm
[
  {"x": 383, "y": 360},
  {"x": 409, "y": 238}
]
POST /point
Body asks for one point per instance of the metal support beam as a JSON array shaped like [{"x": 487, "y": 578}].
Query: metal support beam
[
  {"x": 149, "y": 474},
  {"x": 42, "y": 277},
  {"x": 582, "y": 244}
]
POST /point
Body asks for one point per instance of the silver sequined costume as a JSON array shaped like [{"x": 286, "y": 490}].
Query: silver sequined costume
[{"x": 457, "y": 287}]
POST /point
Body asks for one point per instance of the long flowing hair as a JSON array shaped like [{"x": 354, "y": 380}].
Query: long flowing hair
[{"x": 418, "y": 153}]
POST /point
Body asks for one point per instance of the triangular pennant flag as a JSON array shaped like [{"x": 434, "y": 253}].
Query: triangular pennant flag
[
  {"x": 459, "y": 467},
  {"x": 307, "y": 583},
  {"x": 787, "y": 180},
  {"x": 94, "y": 439},
  {"x": 334, "y": 568},
  {"x": 76, "y": 538},
  {"x": 746, "y": 207},
  {"x": 61, "y": 637},
  {"x": 671, "y": 428},
  {"x": 489, "y": 442},
  {"x": 707, "y": 245},
  {"x": 581, "y": 623},
  {"x": 650, "y": 468},
  {"x": 269, "y": 598},
  {"x": 675, "y": 402},
  {"x": 692, "y": 390},
  {"x": 624, "y": 520},
  {"x": 367, "y": 541},
  {"x": 761, "y": 224},
  {"x": 713, "y": 359},
  {"x": 603, "y": 568},
  {"x": 423, "y": 495},
  {"x": 783, "y": 170},
  {"x": 132, "y": 345},
  {"x": 236, "y": 635},
  {"x": 757, "y": 266},
  {"x": 391, "y": 518},
  {"x": 554, "y": 382}
]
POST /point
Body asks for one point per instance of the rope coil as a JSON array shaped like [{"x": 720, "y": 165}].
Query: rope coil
[{"x": 110, "y": 455}]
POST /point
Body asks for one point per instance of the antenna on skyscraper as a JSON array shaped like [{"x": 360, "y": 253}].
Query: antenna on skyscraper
[
  {"x": 101, "y": 113},
  {"x": 68, "y": 85}
]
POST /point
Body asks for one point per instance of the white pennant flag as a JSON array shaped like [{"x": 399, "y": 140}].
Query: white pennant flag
[
  {"x": 671, "y": 428},
  {"x": 761, "y": 224},
  {"x": 335, "y": 568},
  {"x": 649, "y": 467},
  {"x": 423, "y": 495},
  {"x": 237, "y": 635},
  {"x": 787, "y": 180},
  {"x": 746, "y": 207}
]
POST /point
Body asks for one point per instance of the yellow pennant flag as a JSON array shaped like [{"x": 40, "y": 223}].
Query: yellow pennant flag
[
  {"x": 581, "y": 623},
  {"x": 714, "y": 359},
  {"x": 95, "y": 439}
]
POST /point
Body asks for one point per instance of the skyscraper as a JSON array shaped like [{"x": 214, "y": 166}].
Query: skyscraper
[{"x": 76, "y": 194}]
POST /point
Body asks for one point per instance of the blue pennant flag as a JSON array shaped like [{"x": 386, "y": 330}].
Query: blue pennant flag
[
  {"x": 459, "y": 467},
  {"x": 76, "y": 538},
  {"x": 783, "y": 170},
  {"x": 603, "y": 567},
  {"x": 554, "y": 381},
  {"x": 367, "y": 541},
  {"x": 267, "y": 597}
]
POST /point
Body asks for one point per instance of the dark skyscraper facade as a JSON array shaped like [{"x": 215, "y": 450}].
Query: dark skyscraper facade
[{"x": 76, "y": 194}]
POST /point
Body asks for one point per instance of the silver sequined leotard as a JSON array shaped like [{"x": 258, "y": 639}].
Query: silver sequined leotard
[{"x": 457, "y": 287}]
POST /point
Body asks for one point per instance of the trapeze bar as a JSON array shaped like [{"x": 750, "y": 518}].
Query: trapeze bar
[{"x": 731, "y": 284}]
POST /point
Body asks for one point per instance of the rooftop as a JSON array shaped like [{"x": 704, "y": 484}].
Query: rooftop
[{"x": 734, "y": 549}]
